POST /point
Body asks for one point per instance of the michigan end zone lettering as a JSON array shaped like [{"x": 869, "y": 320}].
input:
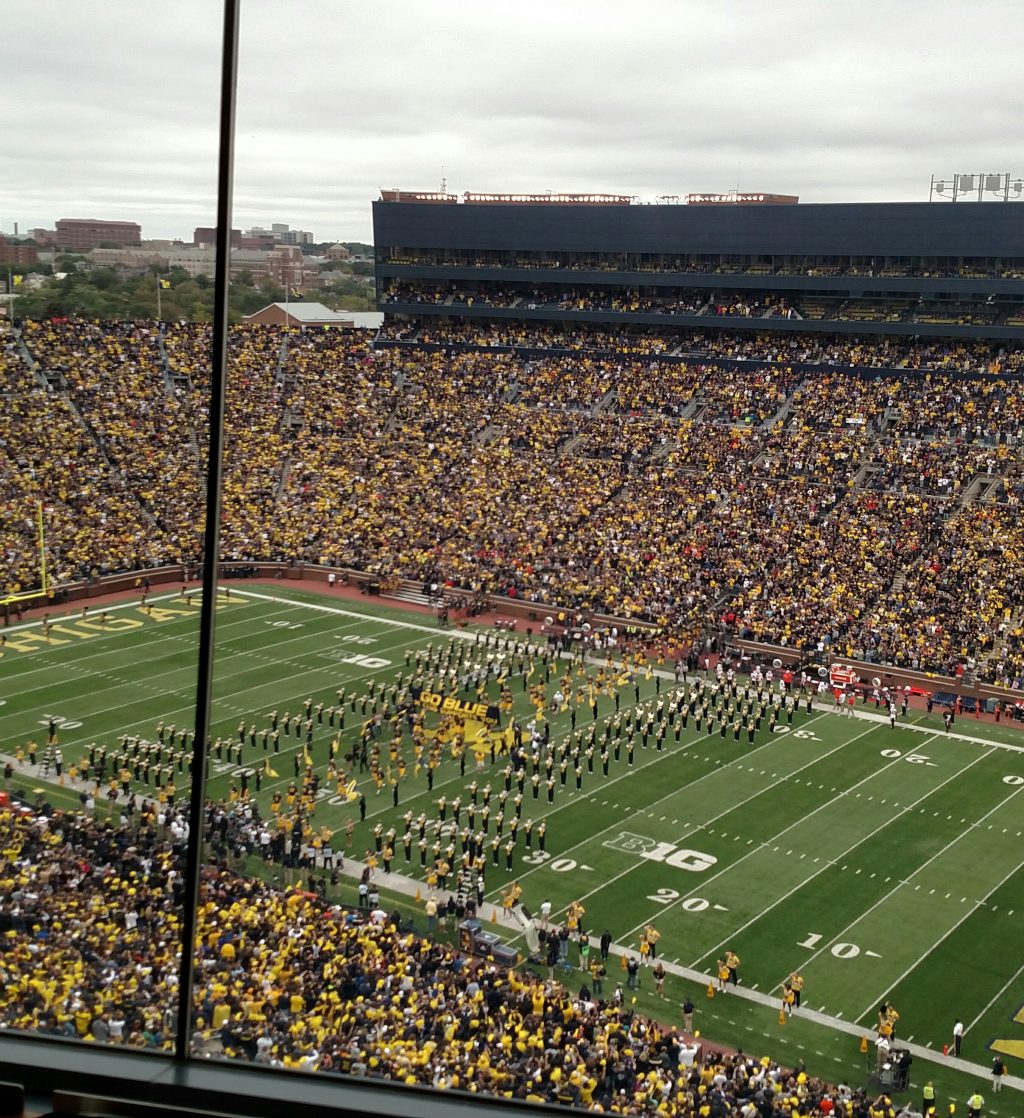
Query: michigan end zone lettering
[{"x": 68, "y": 630}]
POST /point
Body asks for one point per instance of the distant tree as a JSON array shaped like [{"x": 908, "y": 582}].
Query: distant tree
[{"x": 104, "y": 279}]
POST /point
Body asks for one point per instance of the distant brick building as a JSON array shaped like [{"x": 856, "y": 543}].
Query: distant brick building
[
  {"x": 17, "y": 254},
  {"x": 77, "y": 234},
  {"x": 205, "y": 235}
]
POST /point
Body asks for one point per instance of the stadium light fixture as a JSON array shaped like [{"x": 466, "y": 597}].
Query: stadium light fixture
[{"x": 952, "y": 188}]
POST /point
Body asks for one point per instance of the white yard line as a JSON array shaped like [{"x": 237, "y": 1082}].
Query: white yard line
[
  {"x": 970, "y": 912},
  {"x": 1009, "y": 982},
  {"x": 832, "y": 861},
  {"x": 619, "y": 824},
  {"x": 757, "y": 849},
  {"x": 899, "y": 885}
]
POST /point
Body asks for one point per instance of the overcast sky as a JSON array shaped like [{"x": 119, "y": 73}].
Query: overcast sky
[{"x": 109, "y": 107}]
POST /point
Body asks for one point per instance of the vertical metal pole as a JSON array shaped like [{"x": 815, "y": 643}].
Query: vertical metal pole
[
  {"x": 211, "y": 550},
  {"x": 42, "y": 548}
]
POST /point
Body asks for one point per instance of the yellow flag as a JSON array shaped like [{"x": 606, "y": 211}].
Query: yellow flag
[
  {"x": 267, "y": 770},
  {"x": 17, "y": 280},
  {"x": 165, "y": 284}
]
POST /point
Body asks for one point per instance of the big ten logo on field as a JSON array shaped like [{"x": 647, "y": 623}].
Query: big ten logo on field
[{"x": 680, "y": 858}]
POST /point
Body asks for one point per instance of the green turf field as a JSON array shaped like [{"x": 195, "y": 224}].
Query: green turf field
[{"x": 881, "y": 864}]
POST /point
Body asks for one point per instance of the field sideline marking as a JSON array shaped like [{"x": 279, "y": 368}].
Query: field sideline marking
[
  {"x": 408, "y": 886},
  {"x": 917, "y": 728},
  {"x": 433, "y": 630}
]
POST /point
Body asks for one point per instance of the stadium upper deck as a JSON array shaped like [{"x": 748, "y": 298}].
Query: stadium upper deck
[{"x": 900, "y": 269}]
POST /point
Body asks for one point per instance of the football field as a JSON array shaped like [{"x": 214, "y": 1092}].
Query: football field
[{"x": 882, "y": 864}]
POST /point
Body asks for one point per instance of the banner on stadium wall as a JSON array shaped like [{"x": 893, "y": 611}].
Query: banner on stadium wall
[{"x": 843, "y": 675}]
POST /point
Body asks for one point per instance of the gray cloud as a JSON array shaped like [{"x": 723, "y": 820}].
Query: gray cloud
[{"x": 110, "y": 110}]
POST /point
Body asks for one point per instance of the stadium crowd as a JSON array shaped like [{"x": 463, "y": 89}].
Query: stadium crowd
[
  {"x": 89, "y": 914},
  {"x": 815, "y": 509},
  {"x": 706, "y": 264}
]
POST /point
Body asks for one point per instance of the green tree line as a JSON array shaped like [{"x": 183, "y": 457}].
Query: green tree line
[{"x": 105, "y": 293}]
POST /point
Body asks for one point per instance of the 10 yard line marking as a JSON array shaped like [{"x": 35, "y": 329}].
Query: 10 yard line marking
[{"x": 883, "y": 899}]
